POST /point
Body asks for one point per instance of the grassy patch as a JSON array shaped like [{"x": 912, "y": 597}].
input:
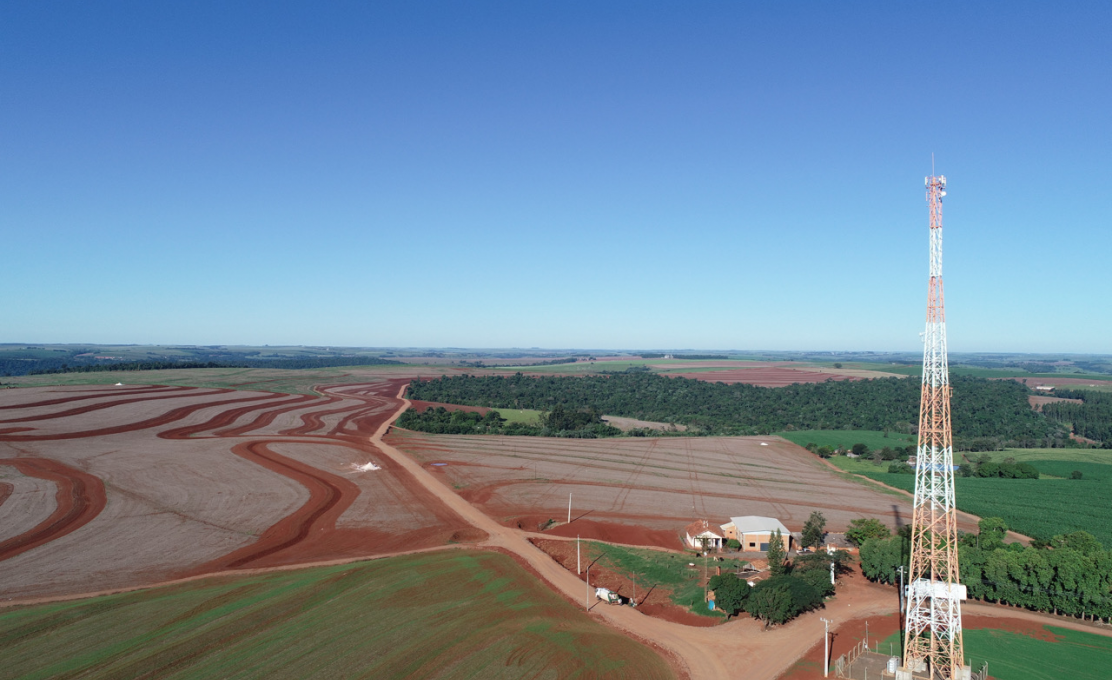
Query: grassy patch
[
  {"x": 846, "y": 438},
  {"x": 444, "y": 615},
  {"x": 1015, "y": 656},
  {"x": 520, "y": 415},
  {"x": 656, "y": 568}
]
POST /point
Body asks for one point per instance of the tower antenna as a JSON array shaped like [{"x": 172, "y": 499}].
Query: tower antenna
[{"x": 932, "y": 627}]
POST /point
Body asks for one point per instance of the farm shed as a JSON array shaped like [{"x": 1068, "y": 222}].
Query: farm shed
[
  {"x": 754, "y": 532},
  {"x": 702, "y": 529}
]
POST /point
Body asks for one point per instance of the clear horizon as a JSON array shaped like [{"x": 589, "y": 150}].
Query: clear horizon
[{"x": 498, "y": 175}]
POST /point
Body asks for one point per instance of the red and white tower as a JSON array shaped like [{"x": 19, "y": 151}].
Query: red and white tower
[{"x": 932, "y": 642}]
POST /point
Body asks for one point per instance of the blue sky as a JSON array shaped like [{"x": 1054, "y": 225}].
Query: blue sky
[{"x": 555, "y": 174}]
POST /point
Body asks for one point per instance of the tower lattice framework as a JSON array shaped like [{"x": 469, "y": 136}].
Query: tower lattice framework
[{"x": 933, "y": 640}]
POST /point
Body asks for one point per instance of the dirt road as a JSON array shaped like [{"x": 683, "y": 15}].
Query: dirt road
[{"x": 738, "y": 649}]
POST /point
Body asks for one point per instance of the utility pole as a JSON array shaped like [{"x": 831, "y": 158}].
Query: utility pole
[
  {"x": 578, "y": 563},
  {"x": 932, "y": 624},
  {"x": 831, "y": 573},
  {"x": 826, "y": 648},
  {"x": 569, "y": 507},
  {"x": 901, "y": 570},
  {"x": 587, "y": 599}
]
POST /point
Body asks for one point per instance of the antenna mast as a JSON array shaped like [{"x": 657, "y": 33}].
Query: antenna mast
[{"x": 933, "y": 640}]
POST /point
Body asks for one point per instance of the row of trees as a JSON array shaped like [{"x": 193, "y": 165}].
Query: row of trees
[
  {"x": 1091, "y": 419},
  {"x": 1070, "y": 574},
  {"x": 982, "y": 408},
  {"x": 560, "y": 422}
]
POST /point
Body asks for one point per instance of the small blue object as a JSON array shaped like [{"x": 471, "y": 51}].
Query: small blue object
[{"x": 710, "y": 604}]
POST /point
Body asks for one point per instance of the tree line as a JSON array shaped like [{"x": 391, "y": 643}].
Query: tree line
[
  {"x": 295, "y": 364},
  {"x": 995, "y": 410},
  {"x": 560, "y": 422},
  {"x": 1070, "y": 574},
  {"x": 1091, "y": 419}
]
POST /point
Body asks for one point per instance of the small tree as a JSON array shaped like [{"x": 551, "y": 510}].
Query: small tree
[
  {"x": 860, "y": 449},
  {"x": 814, "y": 530},
  {"x": 730, "y": 593},
  {"x": 776, "y": 553},
  {"x": 1076, "y": 474},
  {"x": 733, "y": 544},
  {"x": 861, "y": 530}
]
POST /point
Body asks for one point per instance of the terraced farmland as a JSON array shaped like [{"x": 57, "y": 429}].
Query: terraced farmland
[{"x": 643, "y": 491}]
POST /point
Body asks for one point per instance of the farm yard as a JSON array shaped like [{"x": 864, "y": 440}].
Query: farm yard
[
  {"x": 448, "y": 614},
  {"x": 643, "y": 491}
]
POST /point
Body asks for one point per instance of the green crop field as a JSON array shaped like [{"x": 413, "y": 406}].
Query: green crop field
[
  {"x": 847, "y": 438},
  {"x": 1015, "y": 656},
  {"x": 1040, "y": 508},
  {"x": 449, "y": 614}
]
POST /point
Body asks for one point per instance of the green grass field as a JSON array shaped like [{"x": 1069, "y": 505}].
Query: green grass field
[
  {"x": 520, "y": 415},
  {"x": 847, "y": 438},
  {"x": 449, "y": 614},
  {"x": 1015, "y": 656},
  {"x": 1039, "y": 508},
  {"x": 660, "y": 569}
]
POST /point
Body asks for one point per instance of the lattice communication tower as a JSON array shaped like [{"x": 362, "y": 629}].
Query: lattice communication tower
[{"x": 933, "y": 641}]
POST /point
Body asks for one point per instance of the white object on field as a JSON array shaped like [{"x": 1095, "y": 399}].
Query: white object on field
[{"x": 366, "y": 467}]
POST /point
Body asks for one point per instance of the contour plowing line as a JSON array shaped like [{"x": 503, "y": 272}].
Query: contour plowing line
[{"x": 80, "y": 497}]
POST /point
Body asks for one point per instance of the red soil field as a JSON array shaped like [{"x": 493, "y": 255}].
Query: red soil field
[
  {"x": 1056, "y": 382},
  {"x": 182, "y": 505},
  {"x": 644, "y": 491},
  {"x": 1037, "y": 401},
  {"x": 80, "y": 497}
]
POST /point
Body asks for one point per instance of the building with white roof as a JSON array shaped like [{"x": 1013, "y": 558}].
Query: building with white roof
[{"x": 754, "y": 532}]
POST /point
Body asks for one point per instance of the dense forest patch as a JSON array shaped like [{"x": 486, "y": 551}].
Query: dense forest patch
[{"x": 986, "y": 413}]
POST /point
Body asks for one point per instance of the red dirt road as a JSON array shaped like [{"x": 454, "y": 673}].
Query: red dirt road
[{"x": 80, "y": 497}]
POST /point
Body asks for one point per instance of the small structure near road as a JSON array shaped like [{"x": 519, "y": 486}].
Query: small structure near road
[{"x": 701, "y": 531}]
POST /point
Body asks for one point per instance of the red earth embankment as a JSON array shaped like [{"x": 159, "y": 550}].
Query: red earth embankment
[{"x": 80, "y": 497}]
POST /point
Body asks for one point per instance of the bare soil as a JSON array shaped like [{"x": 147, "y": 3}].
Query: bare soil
[
  {"x": 643, "y": 491},
  {"x": 157, "y": 482}
]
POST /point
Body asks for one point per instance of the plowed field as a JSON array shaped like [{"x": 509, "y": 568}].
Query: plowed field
[
  {"x": 104, "y": 488},
  {"x": 644, "y": 491}
]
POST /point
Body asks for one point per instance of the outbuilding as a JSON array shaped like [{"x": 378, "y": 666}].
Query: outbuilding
[
  {"x": 702, "y": 530},
  {"x": 754, "y": 532}
]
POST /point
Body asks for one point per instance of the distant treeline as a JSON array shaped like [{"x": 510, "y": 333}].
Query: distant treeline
[
  {"x": 307, "y": 362},
  {"x": 553, "y": 362},
  {"x": 560, "y": 422},
  {"x": 1091, "y": 419},
  {"x": 652, "y": 355},
  {"x": 989, "y": 413}
]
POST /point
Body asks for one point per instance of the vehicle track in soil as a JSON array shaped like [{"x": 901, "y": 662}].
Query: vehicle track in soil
[{"x": 80, "y": 497}]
